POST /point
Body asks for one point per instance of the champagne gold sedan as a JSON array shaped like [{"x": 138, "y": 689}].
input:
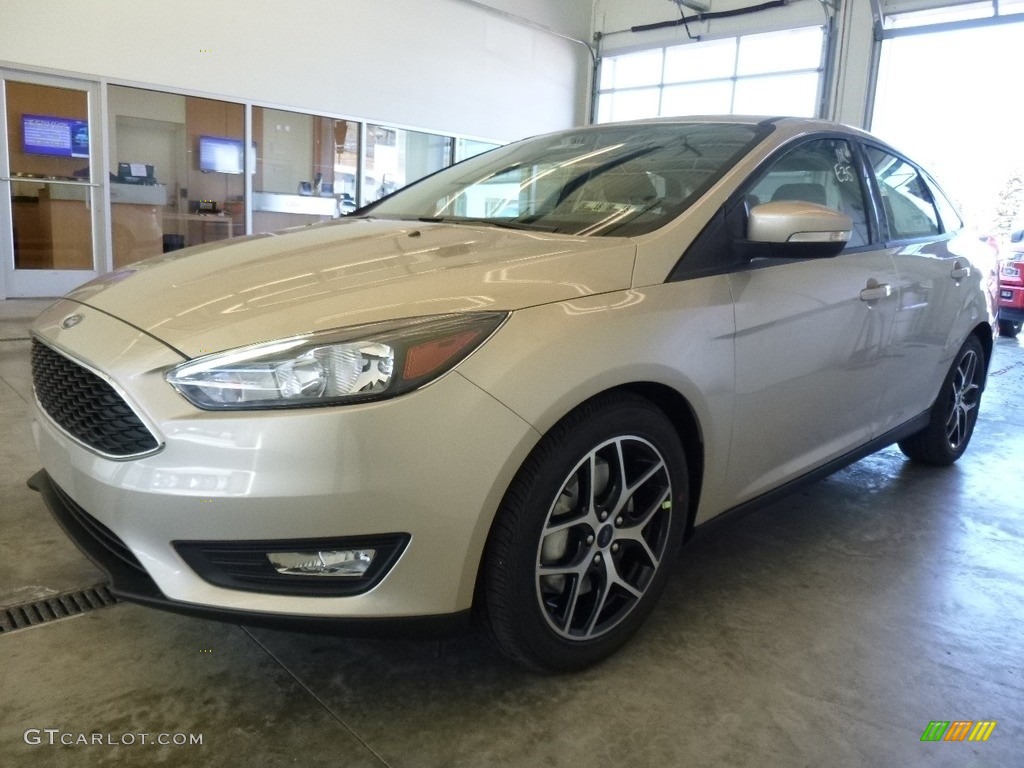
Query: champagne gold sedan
[{"x": 513, "y": 389}]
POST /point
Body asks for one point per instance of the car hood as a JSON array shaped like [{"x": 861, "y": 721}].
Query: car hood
[{"x": 220, "y": 296}]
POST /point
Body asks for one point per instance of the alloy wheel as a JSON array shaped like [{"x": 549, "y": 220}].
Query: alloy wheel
[
  {"x": 604, "y": 538},
  {"x": 964, "y": 396}
]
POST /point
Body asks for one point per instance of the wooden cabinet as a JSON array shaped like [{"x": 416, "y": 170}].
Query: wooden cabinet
[
  {"x": 67, "y": 230},
  {"x": 54, "y": 230},
  {"x": 137, "y": 232},
  {"x": 31, "y": 246}
]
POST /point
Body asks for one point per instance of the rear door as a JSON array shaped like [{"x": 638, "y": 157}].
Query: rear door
[
  {"x": 935, "y": 278},
  {"x": 812, "y": 336}
]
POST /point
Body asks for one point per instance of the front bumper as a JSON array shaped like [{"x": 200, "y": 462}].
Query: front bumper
[
  {"x": 431, "y": 465},
  {"x": 1011, "y": 301},
  {"x": 1011, "y": 314},
  {"x": 129, "y": 581}
]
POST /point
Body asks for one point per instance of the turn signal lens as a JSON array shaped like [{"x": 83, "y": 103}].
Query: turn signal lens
[{"x": 424, "y": 359}]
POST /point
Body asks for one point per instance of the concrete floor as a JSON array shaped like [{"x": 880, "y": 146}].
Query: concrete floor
[{"x": 827, "y": 630}]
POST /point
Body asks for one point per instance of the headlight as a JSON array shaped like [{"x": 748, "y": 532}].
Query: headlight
[{"x": 356, "y": 364}]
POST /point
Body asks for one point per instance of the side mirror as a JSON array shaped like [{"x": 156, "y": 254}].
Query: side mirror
[
  {"x": 798, "y": 230},
  {"x": 1016, "y": 237}
]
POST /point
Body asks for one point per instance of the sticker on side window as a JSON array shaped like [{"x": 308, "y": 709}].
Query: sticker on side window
[
  {"x": 843, "y": 168},
  {"x": 844, "y": 173}
]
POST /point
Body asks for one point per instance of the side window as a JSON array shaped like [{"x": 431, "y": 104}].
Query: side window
[
  {"x": 908, "y": 203},
  {"x": 951, "y": 221},
  {"x": 823, "y": 171}
]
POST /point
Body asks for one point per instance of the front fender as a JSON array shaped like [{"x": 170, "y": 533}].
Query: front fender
[{"x": 547, "y": 360}]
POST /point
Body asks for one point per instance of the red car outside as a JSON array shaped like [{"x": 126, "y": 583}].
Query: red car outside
[{"x": 1011, "y": 288}]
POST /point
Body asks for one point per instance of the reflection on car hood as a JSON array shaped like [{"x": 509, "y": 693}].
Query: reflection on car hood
[{"x": 221, "y": 296}]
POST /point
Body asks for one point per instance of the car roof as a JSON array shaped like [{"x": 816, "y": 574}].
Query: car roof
[
  {"x": 791, "y": 124},
  {"x": 787, "y": 127}
]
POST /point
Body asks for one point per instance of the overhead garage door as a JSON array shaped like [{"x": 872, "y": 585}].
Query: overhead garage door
[{"x": 948, "y": 94}]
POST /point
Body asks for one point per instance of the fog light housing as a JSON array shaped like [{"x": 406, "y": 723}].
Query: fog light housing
[
  {"x": 340, "y": 563},
  {"x": 331, "y": 567}
]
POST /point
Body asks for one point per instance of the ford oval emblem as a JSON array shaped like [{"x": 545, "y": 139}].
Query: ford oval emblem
[{"x": 71, "y": 321}]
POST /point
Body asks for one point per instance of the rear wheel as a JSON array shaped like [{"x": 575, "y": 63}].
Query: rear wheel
[
  {"x": 955, "y": 410},
  {"x": 586, "y": 535}
]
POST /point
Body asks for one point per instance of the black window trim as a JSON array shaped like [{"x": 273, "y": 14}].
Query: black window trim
[{"x": 874, "y": 215}]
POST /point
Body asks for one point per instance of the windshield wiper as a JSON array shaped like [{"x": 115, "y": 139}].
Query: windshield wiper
[{"x": 503, "y": 223}]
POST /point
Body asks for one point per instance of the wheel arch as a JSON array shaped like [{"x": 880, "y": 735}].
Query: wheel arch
[
  {"x": 658, "y": 412},
  {"x": 985, "y": 334},
  {"x": 681, "y": 416},
  {"x": 684, "y": 421}
]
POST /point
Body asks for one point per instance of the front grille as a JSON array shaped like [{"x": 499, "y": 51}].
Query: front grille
[{"x": 87, "y": 407}]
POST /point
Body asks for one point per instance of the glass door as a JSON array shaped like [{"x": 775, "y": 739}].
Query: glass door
[{"x": 51, "y": 191}]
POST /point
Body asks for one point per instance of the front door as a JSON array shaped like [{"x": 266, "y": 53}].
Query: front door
[
  {"x": 51, "y": 212},
  {"x": 812, "y": 336}
]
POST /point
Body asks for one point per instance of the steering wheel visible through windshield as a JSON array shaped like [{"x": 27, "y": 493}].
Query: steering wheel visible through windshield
[{"x": 618, "y": 180}]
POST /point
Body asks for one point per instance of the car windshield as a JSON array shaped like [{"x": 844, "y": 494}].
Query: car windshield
[{"x": 618, "y": 181}]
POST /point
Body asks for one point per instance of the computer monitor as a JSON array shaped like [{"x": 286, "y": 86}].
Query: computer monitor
[
  {"x": 135, "y": 173},
  {"x": 54, "y": 136},
  {"x": 220, "y": 154}
]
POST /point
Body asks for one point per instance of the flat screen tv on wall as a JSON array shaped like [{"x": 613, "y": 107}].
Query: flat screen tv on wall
[
  {"x": 54, "y": 136},
  {"x": 220, "y": 154}
]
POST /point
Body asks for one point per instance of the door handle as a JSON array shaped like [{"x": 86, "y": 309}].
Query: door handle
[
  {"x": 959, "y": 271},
  {"x": 875, "y": 291}
]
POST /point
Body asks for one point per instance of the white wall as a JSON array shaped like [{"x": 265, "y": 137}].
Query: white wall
[
  {"x": 441, "y": 65},
  {"x": 569, "y": 17}
]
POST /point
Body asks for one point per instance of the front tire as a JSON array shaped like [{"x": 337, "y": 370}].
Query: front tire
[
  {"x": 954, "y": 412},
  {"x": 584, "y": 540}
]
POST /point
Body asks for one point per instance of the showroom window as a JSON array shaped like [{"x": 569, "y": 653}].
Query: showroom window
[
  {"x": 50, "y": 192},
  {"x": 467, "y": 148},
  {"x": 396, "y": 157},
  {"x": 181, "y": 170},
  {"x": 177, "y": 168},
  {"x": 298, "y": 178},
  {"x": 176, "y": 171},
  {"x": 773, "y": 73}
]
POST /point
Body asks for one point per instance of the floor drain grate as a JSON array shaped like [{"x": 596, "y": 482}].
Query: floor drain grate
[{"x": 55, "y": 607}]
